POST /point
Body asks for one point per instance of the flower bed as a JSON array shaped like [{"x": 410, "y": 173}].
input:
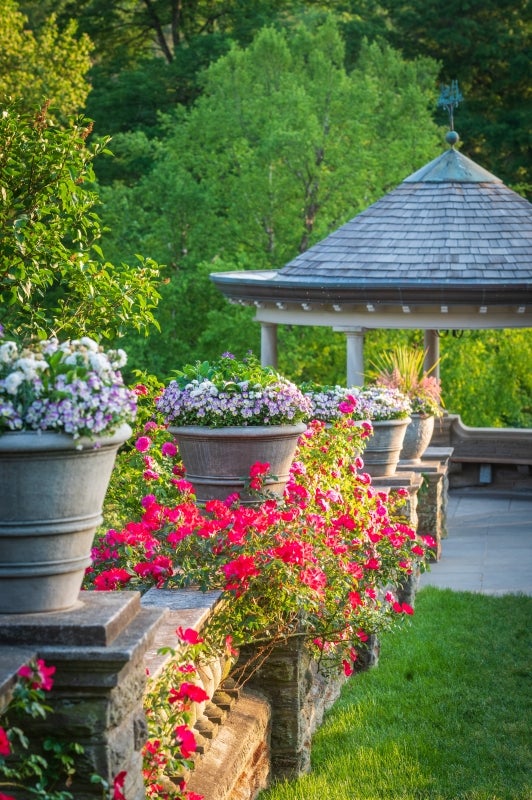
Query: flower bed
[{"x": 320, "y": 563}]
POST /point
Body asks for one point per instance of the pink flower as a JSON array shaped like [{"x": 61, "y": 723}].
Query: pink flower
[
  {"x": 169, "y": 449},
  {"x": 241, "y": 567},
  {"x": 186, "y": 740},
  {"x": 140, "y": 390},
  {"x": 39, "y": 675},
  {"x": 189, "y": 635},
  {"x": 143, "y": 443},
  {"x": 6, "y": 796},
  {"x": 418, "y": 550},
  {"x": 118, "y": 786},
  {"x": 314, "y": 577},
  {"x": 5, "y": 747},
  {"x": 150, "y": 475},
  {"x": 259, "y": 469}
]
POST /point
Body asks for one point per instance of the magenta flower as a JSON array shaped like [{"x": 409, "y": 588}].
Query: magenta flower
[
  {"x": 5, "y": 747},
  {"x": 169, "y": 449},
  {"x": 143, "y": 443}
]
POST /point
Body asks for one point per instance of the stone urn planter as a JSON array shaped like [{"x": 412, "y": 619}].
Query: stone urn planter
[
  {"x": 381, "y": 454},
  {"x": 217, "y": 460},
  {"x": 52, "y": 489},
  {"x": 417, "y": 438}
]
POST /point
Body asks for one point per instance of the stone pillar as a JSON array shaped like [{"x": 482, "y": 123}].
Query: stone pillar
[
  {"x": 268, "y": 344},
  {"x": 298, "y": 694},
  {"x": 432, "y": 349},
  {"x": 354, "y": 355},
  {"x": 432, "y": 499},
  {"x": 98, "y": 650}
]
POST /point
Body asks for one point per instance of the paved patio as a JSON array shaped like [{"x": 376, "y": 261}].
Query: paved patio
[{"x": 489, "y": 545}]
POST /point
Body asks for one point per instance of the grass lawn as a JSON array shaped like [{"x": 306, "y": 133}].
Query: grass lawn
[{"x": 445, "y": 716}]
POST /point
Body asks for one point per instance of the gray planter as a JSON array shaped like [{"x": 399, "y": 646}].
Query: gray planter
[
  {"x": 381, "y": 454},
  {"x": 52, "y": 490},
  {"x": 217, "y": 460},
  {"x": 417, "y": 438}
]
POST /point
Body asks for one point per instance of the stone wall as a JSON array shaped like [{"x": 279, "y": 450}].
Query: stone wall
[{"x": 254, "y": 730}]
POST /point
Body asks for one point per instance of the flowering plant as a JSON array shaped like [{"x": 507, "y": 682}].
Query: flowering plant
[
  {"x": 378, "y": 403},
  {"x": 329, "y": 553},
  {"x": 231, "y": 392},
  {"x": 71, "y": 386},
  {"x": 330, "y": 403},
  {"x": 402, "y": 369},
  {"x": 325, "y": 400}
]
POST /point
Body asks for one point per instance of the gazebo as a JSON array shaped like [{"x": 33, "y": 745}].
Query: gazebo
[{"x": 449, "y": 249}]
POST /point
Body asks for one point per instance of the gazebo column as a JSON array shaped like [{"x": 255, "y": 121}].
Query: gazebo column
[
  {"x": 432, "y": 350},
  {"x": 354, "y": 355},
  {"x": 268, "y": 344}
]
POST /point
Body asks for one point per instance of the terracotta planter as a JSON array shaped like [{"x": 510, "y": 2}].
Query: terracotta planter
[
  {"x": 381, "y": 454},
  {"x": 217, "y": 460},
  {"x": 52, "y": 490},
  {"x": 417, "y": 438}
]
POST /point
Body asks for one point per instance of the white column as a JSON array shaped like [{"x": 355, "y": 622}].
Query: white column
[
  {"x": 354, "y": 355},
  {"x": 432, "y": 350},
  {"x": 268, "y": 344}
]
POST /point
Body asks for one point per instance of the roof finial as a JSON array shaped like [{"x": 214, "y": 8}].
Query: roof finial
[{"x": 450, "y": 98}]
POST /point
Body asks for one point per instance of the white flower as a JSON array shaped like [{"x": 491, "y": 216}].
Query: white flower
[
  {"x": 13, "y": 381},
  {"x": 8, "y": 352}
]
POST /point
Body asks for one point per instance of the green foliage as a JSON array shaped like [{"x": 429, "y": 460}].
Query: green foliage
[
  {"x": 50, "y": 65},
  {"x": 53, "y": 276},
  {"x": 263, "y": 166}
]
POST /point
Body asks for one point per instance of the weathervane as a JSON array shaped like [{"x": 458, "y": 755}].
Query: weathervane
[{"x": 450, "y": 98}]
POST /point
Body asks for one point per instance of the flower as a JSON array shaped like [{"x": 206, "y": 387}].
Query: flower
[
  {"x": 230, "y": 392},
  {"x": 376, "y": 403},
  {"x": 71, "y": 386},
  {"x": 118, "y": 786},
  {"x": 402, "y": 369},
  {"x": 328, "y": 402},
  {"x": 5, "y": 746}
]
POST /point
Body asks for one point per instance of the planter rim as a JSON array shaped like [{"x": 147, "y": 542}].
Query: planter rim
[
  {"x": 17, "y": 441},
  {"x": 237, "y": 430},
  {"x": 391, "y": 422}
]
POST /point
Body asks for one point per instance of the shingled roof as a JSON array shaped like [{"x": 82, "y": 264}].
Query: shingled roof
[{"x": 450, "y": 235}]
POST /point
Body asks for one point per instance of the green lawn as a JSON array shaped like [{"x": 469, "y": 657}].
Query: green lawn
[{"x": 445, "y": 716}]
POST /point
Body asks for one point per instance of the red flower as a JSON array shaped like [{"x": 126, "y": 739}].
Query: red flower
[
  {"x": 241, "y": 567},
  {"x": 6, "y": 796},
  {"x": 118, "y": 785},
  {"x": 188, "y": 691},
  {"x": 5, "y": 747},
  {"x": 348, "y": 669},
  {"x": 314, "y": 577},
  {"x": 111, "y": 579},
  {"x": 186, "y": 740},
  {"x": 259, "y": 469},
  {"x": 189, "y": 635},
  {"x": 418, "y": 550}
]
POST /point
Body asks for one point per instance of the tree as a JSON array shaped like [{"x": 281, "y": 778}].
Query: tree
[
  {"x": 51, "y": 65},
  {"x": 53, "y": 277},
  {"x": 282, "y": 146}
]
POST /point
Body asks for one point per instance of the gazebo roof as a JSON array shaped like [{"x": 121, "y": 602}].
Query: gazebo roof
[{"x": 450, "y": 247}]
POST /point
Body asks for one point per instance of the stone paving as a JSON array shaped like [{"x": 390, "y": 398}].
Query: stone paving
[{"x": 488, "y": 548}]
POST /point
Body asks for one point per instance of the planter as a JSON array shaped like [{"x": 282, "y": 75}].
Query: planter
[
  {"x": 383, "y": 449},
  {"x": 417, "y": 438},
  {"x": 217, "y": 460},
  {"x": 52, "y": 490}
]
